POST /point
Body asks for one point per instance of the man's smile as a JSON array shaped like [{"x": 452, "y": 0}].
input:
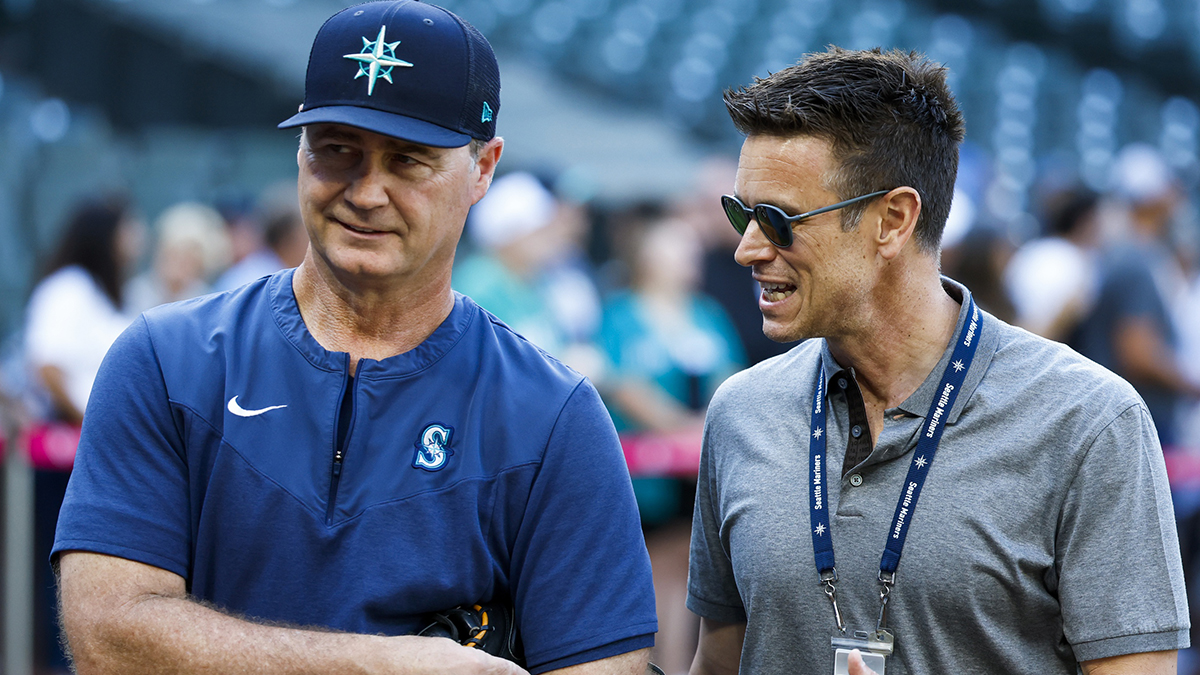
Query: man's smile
[
  {"x": 776, "y": 292},
  {"x": 358, "y": 228}
]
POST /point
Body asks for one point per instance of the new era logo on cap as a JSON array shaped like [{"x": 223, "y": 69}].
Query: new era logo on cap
[{"x": 404, "y": 69}]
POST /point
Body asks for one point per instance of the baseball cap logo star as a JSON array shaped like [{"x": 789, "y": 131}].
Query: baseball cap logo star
[{"x": 377, "y": 59}]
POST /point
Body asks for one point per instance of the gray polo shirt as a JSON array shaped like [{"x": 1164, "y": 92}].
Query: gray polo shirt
[{"x": 1044, "y": 532}]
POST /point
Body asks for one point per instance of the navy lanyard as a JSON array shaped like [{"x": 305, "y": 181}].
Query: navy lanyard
[{"x": 927, "y": 444}]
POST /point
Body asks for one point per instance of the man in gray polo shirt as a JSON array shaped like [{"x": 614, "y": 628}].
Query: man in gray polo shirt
[{"x": 1044, "y": 538}]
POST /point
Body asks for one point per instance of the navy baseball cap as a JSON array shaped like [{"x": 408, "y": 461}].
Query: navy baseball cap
[{"x": 404, "y": 69}]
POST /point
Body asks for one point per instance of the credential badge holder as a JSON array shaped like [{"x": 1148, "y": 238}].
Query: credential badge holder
[{"x": 875, "y": 646}]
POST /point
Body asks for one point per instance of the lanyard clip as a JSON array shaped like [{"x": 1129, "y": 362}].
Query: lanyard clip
[
  {"x": 829, "y": 579},
  {"x": 886, "y": 581}
]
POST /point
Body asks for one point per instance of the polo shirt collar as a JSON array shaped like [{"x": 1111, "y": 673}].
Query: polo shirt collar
[{"x": 917, "y": 404}]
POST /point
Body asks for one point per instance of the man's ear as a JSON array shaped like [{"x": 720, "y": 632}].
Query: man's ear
[
  {"x": 489, "y": 157},
  {"x": 897, "y": 212}
]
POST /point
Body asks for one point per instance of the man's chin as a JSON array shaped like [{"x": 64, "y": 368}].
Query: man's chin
[{"x": 779, "y": 332}]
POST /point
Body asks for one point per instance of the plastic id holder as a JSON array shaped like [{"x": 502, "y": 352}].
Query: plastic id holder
[{"x": 875, "y": 647}]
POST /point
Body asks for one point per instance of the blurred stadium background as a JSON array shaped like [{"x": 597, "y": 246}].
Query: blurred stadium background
[
  {"x": 171, "y": 100},
  {"x": 177, "y": 99}
]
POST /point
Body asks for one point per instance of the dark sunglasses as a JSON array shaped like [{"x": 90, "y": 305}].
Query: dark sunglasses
[{"x": 776, "y": 225}]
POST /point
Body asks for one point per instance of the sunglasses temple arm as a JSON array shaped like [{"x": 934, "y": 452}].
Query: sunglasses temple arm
[{"x": 835, "y": 207}]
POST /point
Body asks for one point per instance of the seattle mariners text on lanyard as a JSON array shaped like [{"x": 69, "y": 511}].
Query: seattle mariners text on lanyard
[{"x": 927, "y": 443}]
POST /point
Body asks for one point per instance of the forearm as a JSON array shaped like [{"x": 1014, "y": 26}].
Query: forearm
[
  {"x": 160, "y": 634},
  {"x": 720, "y": 648},
  {"x": 56, "y": 385},
  {"x": 652, "y": 409},
  {"x": 1148, "y": 663},
  {"x": 126, "y": 618}
]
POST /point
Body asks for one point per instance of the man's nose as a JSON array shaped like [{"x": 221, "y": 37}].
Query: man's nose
[
  {"x": 754, "y": 247},
  {"x": 368, "y": 189}
]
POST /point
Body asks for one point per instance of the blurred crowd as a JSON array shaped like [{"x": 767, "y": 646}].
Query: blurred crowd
[
  {"x": 107, "y": 268},
  {"x": 646, "y": 300},
  {"x": 1116, "y": 276}
]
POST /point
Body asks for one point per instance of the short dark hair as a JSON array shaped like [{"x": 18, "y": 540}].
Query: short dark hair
[{"x": 889, "y": 117}]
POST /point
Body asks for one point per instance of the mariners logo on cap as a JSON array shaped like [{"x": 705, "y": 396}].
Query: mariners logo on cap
[{"x": 377, "y": 59}]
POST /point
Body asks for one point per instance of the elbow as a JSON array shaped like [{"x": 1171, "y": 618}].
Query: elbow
[
  {"x": 112, "y": 614},
  {"x": 100, "y": 640},
  {"x": 90, "y": 646}
]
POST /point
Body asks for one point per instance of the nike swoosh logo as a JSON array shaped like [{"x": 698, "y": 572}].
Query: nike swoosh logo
[{"x": 242, "y": 412}]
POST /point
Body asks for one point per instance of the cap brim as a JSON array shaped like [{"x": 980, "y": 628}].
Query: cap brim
[{"x": 388, "y": 124}]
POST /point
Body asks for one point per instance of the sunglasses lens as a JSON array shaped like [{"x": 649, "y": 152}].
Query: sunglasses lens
[
  {"x": 736, "y": 214},
  {"x": 774, "y": 225}
]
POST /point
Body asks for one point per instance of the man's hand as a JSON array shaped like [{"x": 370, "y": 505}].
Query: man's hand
[
  {"x": 442, "y": 656},
  {"x": 857, "y": 667}
]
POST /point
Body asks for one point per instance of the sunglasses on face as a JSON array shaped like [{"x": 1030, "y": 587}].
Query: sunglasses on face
[{"x": 776, "y": 225}]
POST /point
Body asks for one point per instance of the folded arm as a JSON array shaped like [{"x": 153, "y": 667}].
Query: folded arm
[{"x": 125, "y": 617}]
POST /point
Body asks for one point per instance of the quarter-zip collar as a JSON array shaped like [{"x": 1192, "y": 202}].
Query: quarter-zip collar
[{"x": 287, "y": 315}]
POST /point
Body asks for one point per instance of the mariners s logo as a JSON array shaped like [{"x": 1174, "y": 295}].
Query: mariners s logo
[{"x": 433, "y": 448}]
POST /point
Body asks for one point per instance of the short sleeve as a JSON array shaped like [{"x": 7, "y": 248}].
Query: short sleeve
[
  {"x": 712, "y": 588},
  {"x": 579, "y": 560},
  {"x": 128, "y": 493},
  {"x": 1120, "y": 581}
]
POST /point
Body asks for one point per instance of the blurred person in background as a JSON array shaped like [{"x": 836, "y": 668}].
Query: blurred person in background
[
  {"x": 192, "y": 248},
  {"x": 529, "y": 270},
  {"x": 75, "y": 311},
  {"x": 1131, "y": 328},
  {"x": 977, "y": 260},
  {"x": 1053, "y": 280},
  {"x": 73, "y": 317},
  {"x": 242, "y": 224},
  {"x": 723, "y": 279},
  {"x": 283, "y": 239},
  {"x": 668, "y": 347}
]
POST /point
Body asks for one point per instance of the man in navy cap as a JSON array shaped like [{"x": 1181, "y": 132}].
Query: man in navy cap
[{"x": 289, "y": 477}]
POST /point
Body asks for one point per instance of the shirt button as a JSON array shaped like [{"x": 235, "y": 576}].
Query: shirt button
[
  {"x": 841, "y": 383},
  {"x": 856, "y": 431},
  {"x": 855, "y": 479}
]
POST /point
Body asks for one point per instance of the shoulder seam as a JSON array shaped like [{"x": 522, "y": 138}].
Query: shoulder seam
[{"x": 1084, "y": 455}]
